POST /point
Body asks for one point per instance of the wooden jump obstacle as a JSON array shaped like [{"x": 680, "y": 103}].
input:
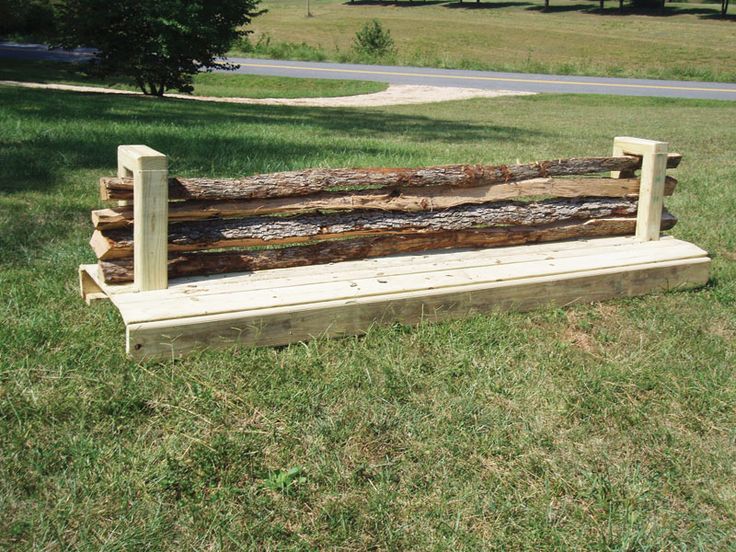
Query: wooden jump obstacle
[{"x": 276, "y": 258}]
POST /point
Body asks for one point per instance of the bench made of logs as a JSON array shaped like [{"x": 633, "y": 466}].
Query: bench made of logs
[{"x": 276, "y": 258}]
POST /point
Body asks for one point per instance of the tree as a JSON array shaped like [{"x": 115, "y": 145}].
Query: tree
[
  {"x": 28, "y": 18},
  {"x": 160, "y": 44},
  {"x": 724, "y": 7}
]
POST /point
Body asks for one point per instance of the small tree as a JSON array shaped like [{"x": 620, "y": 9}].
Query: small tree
[
  {"x": 724, "y": 7},
  {"x": 160, "y": 44},
  {"x": 373, "y": 40}
]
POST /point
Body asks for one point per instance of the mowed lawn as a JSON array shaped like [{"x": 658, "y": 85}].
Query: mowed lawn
[
  {"x": 227, "y": 85},
  {"x": 689, "y": 41},
  {"x": 605, "y": 427}
]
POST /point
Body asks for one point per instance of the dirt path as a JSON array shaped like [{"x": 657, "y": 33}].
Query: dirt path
[{"x": 395, "y": 94}]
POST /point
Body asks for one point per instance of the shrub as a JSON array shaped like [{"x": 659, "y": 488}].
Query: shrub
[{"x": 373, "y": 40}]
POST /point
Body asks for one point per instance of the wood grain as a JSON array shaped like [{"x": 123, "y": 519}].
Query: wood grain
[
  {"x": 167, "y": 338},
  {"x": 309, "y": 181},
  {"x": 271, "y": 230},
  {"x": 385, "y": 199},
  {"x": 119, "y": 271}
]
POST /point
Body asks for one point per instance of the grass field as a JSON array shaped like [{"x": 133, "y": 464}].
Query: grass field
[
  {"x": 603, "y": 427},
  {"x": 205, "y": 84},
  {"x": 688, "y": 42}
]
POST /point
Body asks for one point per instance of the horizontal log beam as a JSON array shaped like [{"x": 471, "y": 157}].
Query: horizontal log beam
[
  {"x": 310, "y": 181},
  {"x": 258, "y": 231},
  {"x": 120, "y": 271},
  {"x": 385, "y": 199}
]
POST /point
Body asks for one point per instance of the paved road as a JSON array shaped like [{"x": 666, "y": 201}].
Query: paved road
[{"x": 438, "y": 77}]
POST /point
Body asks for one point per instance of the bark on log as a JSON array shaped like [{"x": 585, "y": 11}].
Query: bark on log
[
  {"x": 310, "y": 181},
  {"x": 386, "y": 199},
  {"x": 255, "y": 231},
  {"x": 120, "y": 271}
]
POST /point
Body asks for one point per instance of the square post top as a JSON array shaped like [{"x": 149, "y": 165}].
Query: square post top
[
  {"x": 141, "y": 158},
  {"x": 639, "y": 146}
]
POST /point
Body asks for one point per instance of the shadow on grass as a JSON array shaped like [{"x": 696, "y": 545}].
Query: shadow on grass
[
  {"x": 395, "y": 3},
  {"x": 716, "y": 15},
  {"x": 67, "y": 131},
  {"x": 655, "y": 12},
  {"x": 471, "y": 5},
  {"x": 562, "y": 9}
]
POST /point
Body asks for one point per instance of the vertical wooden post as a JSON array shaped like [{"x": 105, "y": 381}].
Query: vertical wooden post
[
  {"x": 651, "y": 187},
  {"x": 149, "y": 170}
]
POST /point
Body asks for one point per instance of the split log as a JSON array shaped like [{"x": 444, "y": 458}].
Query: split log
[
  {"x": 386, "y": 199},
  {"x": 255, "y": 231},
  {"x": 120, "y": 271},
  {"x": 310, "y": 181}
]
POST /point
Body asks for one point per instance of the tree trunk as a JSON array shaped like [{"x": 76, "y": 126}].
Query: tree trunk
[
  {"x": 385, "y": 199},
  {"x": 310, "y": 181},
  {"x": 259, "y": 231},
  {"x": 142, "y": 85},
  {"x": 724, "y": 7},
  {"x": 120, "y": 271}
]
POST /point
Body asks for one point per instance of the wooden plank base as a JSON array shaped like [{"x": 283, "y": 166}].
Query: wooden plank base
[{"x": 280, "y": 306}]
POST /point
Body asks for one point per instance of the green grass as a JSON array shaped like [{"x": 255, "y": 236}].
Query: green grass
[
  {"x": 603, "y": 427},
  {"x": 689, "y": 42},
  {"x": 205, "y": 84}
]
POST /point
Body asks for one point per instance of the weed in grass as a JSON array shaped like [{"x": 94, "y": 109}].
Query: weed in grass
[{"x": 285, "y": 481}]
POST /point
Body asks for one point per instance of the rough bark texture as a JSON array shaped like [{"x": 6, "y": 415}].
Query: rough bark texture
[
  {"x": 120, "y": 271},
  {"x": 386, "y": 199},
  {"x": 189, "y": 236},
  {"x": 300, "y": 183}
]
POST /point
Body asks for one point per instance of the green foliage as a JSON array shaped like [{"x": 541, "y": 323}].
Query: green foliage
[
  {"x": 266, "y": 47},
  {"x": 373, "y": 40},
  {"x": 161, "y": 45},
  {"x": 24, "y": 18},
  {"x": 284, "y": 481}
]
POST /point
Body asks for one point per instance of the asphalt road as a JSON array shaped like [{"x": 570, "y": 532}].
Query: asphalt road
[{"x": 437, "y": 77}]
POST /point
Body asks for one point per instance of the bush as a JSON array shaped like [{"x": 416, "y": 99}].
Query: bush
[{"x": 373, "y": 40}]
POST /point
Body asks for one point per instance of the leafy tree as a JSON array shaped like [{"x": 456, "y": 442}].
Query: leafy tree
[
  {"x": 29, "y": 18},
  {"x": 160, "y": 44}
]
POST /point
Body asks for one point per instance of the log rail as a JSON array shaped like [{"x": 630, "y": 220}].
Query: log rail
[{"x": 317, "y": 216}]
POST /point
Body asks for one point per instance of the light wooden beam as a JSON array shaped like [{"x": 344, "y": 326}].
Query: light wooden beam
[
  {"x": 653, "y": 174},
  {"x": 149, "y": 169}
]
